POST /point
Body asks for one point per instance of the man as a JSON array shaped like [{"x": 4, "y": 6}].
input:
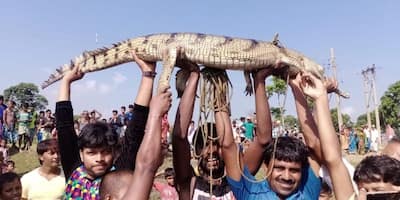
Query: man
[
  {"x": 190, "y": 185},
  {"x": 85, "y": 160},
  {"x": 23, "y": 118},
  {"x": 290, "y": 174},
  {"x": 149, "y": 157},
  {"x": 129, "y": 114},
  {"x": 95, "y": 116},
  {"x": 115, "y": 122},
  {"x": 10, "y": 120},
  {"x": 48, "y": 180},
  {"x": 48, "y": 125},
  {"x": 3, "y": 107},
  {"x": 378, "y": 173},
  {"x": 249, "y": 126}
]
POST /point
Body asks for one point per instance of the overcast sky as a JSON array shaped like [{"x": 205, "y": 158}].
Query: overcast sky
[{"x": 38, "y": 36}]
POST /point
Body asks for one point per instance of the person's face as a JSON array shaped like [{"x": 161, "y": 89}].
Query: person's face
[
  {"x": 285, "y": 177},
  {"x": 170, "y": 180},
  {"x": 50, "y": 158},
  {"x": 212, "y": 158},
  {"x": 2, "y": 143},
  {"x": 12, "y": 190},
  {"x": 41, "y": 114},
  {"x": 10, "y": 104},
  {"x": 10, "y": 167},
  {"x": 115, "y": 114},
  {"x": 392, "y": 149},
  {"x": 97, "y": 160},
  {"x": 123, "y": 110},
  {"x": 48, "y": 114},
  {"x": 378, "y": 186}
]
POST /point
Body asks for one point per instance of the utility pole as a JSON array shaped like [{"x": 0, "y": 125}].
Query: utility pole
[
  {"x": 377, "y": 121},
  {"x": 366, "y": 93},
  {"x": 369, "y": 75},
  {"x": 339, "y": 112}
]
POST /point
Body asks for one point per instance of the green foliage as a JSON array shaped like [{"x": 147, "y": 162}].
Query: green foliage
[
  {"x": 346, "y": 119},
  {"x": 277, "y": 87},
  {"x": 362, "y": 119},
  {"x": 26, "y": 93},
  {"x": 276, "y": 113},
  {"x": 291, "y": 121},
  {"x": 390, "y": 106}
]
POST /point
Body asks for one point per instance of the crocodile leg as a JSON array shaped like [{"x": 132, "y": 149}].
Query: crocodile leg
[
  {"x": 249, "y": 85},
  {"x": 168, "y": 60}
]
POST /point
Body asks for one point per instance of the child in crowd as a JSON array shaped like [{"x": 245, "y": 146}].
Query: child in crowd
[
  {"x": 167, "y": 191},
  {"x": 4, "y": 148},
  {"x": 10, "y": 166},
  {"x": 10, "y": 186}
]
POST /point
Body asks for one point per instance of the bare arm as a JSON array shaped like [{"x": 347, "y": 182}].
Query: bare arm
[
  {"x": 135, "y": 130},
  {"x": 342, "y": 185},
  {"x": 149, "y": 157},
  {"x": 307, "y": 124},
  {"x": 253, "y": 157},
  {"x": 180, "y": 144}
]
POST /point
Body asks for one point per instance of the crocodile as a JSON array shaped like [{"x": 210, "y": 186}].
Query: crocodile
[{"x": 213, "y": 51}]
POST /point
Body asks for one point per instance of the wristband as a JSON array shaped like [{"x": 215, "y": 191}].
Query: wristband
[{"x": 150, "y": 74}]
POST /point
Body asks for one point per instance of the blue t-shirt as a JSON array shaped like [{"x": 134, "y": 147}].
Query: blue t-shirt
[
  {"x": 2, "y": 109},
  {"x": 309, "y": 188}
]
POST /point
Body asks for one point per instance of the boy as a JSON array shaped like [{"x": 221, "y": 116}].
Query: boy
[{"x": 87, "y": 158}]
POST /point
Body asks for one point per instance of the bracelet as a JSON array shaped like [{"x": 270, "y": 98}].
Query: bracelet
[{"x": 150, "y": 74}]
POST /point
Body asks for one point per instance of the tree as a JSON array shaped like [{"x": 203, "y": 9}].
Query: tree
[
  {"x": 390, "y": 107},
  {"x": 26, "y": 93},
  {"x": 291, "y": 121},
  {"x": 346, "y": 119},
  {"x": 278, "y": 88}
]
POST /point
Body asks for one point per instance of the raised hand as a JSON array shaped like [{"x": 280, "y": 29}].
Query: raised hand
[
  {"x": 312, "y": 86},
  {"x": 143, "y": 65},
  {"x": 74, "y": 74},
  {"x": 161, "y": 103}
]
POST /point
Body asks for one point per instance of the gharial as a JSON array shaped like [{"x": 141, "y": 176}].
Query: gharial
[{"x": 213, "y": 51}]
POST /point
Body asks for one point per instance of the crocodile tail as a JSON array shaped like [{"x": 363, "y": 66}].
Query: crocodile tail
[{"x": 99, "y": 59}]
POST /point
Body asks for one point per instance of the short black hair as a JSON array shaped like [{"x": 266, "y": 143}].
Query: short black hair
[
  {"x": 11, "y": 162},
  {"x": 1, "y": 97},
  {"x": 40, "y": 112},
  {"x": 130, "y": 106},
  {"x": 47, "y": 145},
  {"x": 199, "y": 140},
  {"x": 95, "y": 135},
  {"x": 48, "y": 110},
  {"x": 123, "y": 107},
  {"x": 7, "y": 178},
  {"x": 288, "y": 149},
  {"x": 376, "y": 169},
  {"x": 169, "y": 172}
]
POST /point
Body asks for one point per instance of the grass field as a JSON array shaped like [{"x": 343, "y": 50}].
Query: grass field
[{"x": 26, "y": 161}]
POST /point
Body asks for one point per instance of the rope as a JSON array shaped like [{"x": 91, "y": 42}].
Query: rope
[{"x": 214, "y": 88}]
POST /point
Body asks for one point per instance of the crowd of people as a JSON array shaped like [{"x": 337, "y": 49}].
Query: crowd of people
[{"x": 119, "y": 158}]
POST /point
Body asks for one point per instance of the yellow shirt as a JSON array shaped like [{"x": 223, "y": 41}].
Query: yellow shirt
[{"x": 35, "y": 186}]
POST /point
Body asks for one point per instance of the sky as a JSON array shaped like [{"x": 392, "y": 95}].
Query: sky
[{"x": 38, "y": 36}]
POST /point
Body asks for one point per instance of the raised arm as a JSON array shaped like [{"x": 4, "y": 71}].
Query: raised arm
[
  {"x": 307, "y": 124},
  {"x": 253, "y": 157},
  {"x": 149, "y": 157},
  {"x": 67, "y": 138},
  {"x": 341, "y": 181},
  {"x": 180, "y": 144},
  {"x": 135, "y": 130}
]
